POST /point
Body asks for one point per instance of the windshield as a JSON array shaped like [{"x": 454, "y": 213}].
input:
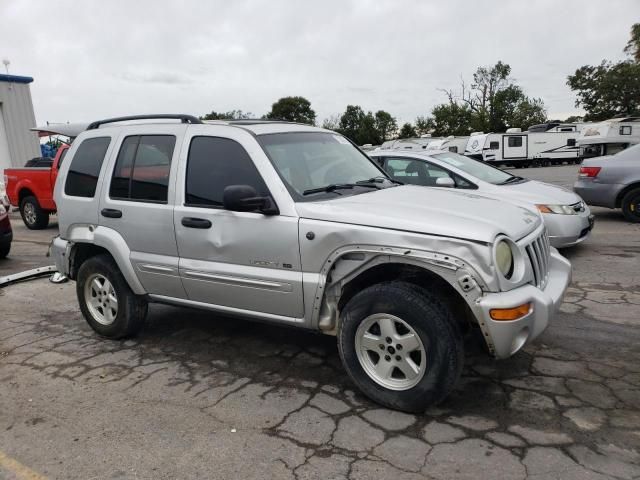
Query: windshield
[
  {"x": 475, "y": 168},
  {"x": 311, "y": 161}
]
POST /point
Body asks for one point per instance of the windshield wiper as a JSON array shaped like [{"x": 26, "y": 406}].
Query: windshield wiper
[
  {"x": 379, "y": 179},
  {"x": 337, "y": 186},
  {"x": 511, "y": 180}
]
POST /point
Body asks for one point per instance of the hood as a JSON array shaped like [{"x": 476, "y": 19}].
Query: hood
[
  {"x": 539, "y": 192},
  {"x": 442, "y": 212}
]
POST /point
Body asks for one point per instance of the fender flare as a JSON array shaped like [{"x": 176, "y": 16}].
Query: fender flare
[
  {"x": 113, "y": 242},
  {"x": 457, "y": 273}
]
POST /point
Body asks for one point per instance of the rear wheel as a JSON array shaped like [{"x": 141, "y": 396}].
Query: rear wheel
[
  {"x": 400, "y": 344},
  {"x": 106, "y": 301},
  {"x": 32, "y": 215},
  {"x": 631, "y": 206}
]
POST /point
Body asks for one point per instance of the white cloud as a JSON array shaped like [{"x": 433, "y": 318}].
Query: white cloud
[{"x": 99, "y": 59}]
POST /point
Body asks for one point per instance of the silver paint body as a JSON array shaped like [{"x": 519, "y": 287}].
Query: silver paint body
[
  {"x": 265, "y": 267},
  {"x": 564, "y": 230},
  {"x": 618, "y": 174}
]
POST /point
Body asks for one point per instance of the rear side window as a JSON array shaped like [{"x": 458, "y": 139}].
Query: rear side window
[
  {"x": 84, "y": 171},
  {"x": 214, "y": 164},
  {"x": 142, "y": 168}
]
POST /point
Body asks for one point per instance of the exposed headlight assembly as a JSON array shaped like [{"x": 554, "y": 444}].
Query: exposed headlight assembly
[
  {"x": 504, "y": 259},
  {"x": 559, "y": 209}
]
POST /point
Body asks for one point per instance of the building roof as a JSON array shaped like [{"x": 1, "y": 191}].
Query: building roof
[{"x": 15, "y": 79}]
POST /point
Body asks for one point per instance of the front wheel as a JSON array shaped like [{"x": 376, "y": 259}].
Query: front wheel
[
  {"x": 32, "y": 215},
  {"x": 631, "y": 206},
  {"x": 106, "y": 301},
  {"x": 400, "y": 344}
]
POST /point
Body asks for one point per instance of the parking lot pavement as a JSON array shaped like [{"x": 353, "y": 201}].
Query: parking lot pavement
[{"x": 199, "y": 396}]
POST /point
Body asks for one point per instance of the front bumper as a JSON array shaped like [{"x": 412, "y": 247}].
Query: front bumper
[
  {"x": 568, "y": 230},
  {"x": 59, "y": 250},
  {"x": 507, "y": 337}
]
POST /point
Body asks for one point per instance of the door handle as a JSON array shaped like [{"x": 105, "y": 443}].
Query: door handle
[
  {"x": 111, "y": 213},
  {"x": 191, "y": 222}
]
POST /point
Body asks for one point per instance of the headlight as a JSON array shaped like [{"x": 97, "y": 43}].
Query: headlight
[
  {"x": 560, "y": 209},
  {"x": 504, "y": 259}
]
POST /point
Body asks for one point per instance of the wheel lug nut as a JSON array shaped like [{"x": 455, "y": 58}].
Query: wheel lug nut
[
  {"x": 398, "y": 358},
  {"x": 398, "y": 347},
  {"x": 387, "y": 358},
  {"x": 381, "y": 346},
  {"x": 388, "y": 339}
]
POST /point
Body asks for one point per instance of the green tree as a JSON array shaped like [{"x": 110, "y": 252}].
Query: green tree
[
  {"x": 331, "y": 123},
  {"x": 610, "y": 89},
  {"x": 351, "y": 122},
  {"x": 492, "y": 103},
  {"x": 424, "y": 125},
  {"x": 633, "y": 45},
  {"x": 386, "y": 126},
  {"x": 407, "y": 131},
  {"x": 607, "y": 90},
  {"x": 293, "y": 109},
  {"x": 232, "y": 115},
  {"x": 451, "y": 119},
  {"x": 363, "y": 128}
]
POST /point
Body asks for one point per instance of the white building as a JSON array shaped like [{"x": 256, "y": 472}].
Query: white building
[{"x": 17, "y": 143}]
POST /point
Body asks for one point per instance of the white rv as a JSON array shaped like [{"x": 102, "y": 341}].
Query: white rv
[
  {"x": 417, "y": 143},
  {"x": 609, "y": 137},
  {"x": 544, "y": 144},
  {"x": 452, "y": 143}
]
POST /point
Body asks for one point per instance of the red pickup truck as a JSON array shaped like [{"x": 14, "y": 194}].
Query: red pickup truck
[{"x": 31, "y": 189}]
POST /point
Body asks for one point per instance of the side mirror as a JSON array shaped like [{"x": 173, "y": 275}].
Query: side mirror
[
  {"x": 445, "y": 182},
  {"x": 244, "y": 198}
]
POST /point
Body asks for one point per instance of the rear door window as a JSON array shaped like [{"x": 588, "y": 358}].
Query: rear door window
[
  {"x": 84, "y": 170},
  {"x": 142, "y": 168}
]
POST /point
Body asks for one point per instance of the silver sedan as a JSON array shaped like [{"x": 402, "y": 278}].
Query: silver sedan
[
  {"x": 613, "y": 182},
  {"x": 566, "y": 216}
]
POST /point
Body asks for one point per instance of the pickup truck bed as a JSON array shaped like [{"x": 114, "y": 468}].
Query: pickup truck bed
[{"x": 31, "y": 190}]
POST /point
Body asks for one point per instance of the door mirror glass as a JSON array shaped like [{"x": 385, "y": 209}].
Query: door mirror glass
[
  {"x": 445, "y": 182},
  {"x": 244, "y": 198}
]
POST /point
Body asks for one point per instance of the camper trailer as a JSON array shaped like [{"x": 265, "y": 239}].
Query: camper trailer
[
  {"x": 418, "y": 143},
  {"x": 544, "y": 144},
  {"x": 451, "y": 144},
  {"x": 609, "y": 137}
]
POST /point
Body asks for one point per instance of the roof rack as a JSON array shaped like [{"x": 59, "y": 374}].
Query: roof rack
[
  {"x": 182, "y": 117},
  {"x": 259, "y": 121}
]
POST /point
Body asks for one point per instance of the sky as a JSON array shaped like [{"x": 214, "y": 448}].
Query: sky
[{"x": 94, "y": 59}]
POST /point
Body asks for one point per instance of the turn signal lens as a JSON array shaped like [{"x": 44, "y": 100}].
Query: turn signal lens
[
  {"x": 510, "y": 313},
  {"x": 589, "y": 172},
  {"x": 544, "y": 209}
]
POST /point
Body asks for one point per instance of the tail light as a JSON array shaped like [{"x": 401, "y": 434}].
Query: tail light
[{"x": 589, "y": 172}]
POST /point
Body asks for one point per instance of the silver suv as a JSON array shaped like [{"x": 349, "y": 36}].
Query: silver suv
[{"x": 293, "y": 224}]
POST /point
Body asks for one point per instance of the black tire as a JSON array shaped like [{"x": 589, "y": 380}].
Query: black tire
[
  {"x": 32, "y": 215},
  {"x": 4, "y": 250},
  {"x": 434, "y": 324},
  {"x": 131, "y": 308},
  {"x": 631, "y": 205}
]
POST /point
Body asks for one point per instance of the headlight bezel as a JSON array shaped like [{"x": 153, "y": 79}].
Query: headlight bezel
[{"x": 518, "y": 270}]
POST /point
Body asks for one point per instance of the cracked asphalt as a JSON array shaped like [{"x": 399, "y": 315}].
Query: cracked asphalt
[{"x": 199, "y": 396}]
